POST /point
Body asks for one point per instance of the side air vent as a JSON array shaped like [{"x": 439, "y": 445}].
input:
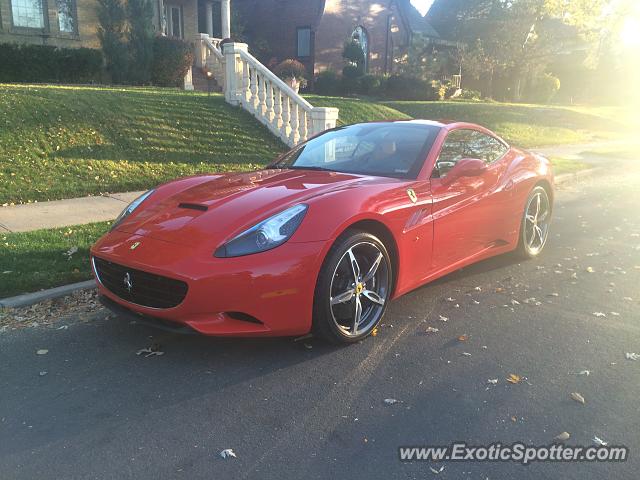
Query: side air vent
[{"x": 193, "y": 206}]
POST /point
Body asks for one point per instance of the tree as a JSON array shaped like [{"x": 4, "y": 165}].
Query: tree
[
  {"x": 514, "y": 39},
  {"x": 111, "y": 33},
  {"x": 140, "y": 13}
]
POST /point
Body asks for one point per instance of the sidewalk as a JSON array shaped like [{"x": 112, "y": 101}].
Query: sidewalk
[
  {"x": 77, "y": 211},
  {"x": 64, "y": 213}
]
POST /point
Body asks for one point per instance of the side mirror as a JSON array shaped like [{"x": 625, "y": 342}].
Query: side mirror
[{"x": 467, "y": 167}]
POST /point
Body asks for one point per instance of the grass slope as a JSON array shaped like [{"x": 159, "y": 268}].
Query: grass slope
[
  {"x": 528, "y": 125},
  {"x": 60, "y": 142},
  {"x": 355, "y": 110},
  {"x": 34, "y": 260}
]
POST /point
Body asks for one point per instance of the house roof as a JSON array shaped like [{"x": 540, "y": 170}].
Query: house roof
[{"x": 416, "y": 22}]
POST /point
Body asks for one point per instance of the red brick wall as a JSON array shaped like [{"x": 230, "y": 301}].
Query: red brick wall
[{"x": 276, "y": 21}]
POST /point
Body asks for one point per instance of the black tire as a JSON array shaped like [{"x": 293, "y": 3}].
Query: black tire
[
  {"x": 526, "y": 249},
  {"x": 330, "y": 313}
]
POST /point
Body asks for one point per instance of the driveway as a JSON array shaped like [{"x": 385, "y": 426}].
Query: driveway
[{"x": 308, "y": 410}]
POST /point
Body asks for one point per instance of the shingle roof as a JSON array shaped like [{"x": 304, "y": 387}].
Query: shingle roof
[{"x": 417, "y": 23}]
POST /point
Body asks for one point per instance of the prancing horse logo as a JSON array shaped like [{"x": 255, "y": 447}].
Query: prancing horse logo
[{"x": 128, "y": 283}]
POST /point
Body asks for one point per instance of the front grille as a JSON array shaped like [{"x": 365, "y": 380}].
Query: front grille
[{"x": 141, "y": 288}]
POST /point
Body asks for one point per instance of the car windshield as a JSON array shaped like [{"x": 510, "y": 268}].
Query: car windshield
[{"x": 382, "y": 149}]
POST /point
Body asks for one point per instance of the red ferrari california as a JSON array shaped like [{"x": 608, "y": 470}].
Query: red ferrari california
[{"x": 324, "y": 237}]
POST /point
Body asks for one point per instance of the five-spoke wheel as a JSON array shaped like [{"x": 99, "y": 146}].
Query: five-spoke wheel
[
  {"x": 535, "y": 223},
  {"x": 353, "y": 288}
]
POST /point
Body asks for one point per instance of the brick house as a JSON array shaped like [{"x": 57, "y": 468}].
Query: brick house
[{"x": 313, "y": 31}]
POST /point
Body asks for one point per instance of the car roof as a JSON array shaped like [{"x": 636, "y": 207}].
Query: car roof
[{"x": 446, "y": 125}]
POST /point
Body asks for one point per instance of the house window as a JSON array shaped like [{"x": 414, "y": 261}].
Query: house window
[
  {"x": 27, "y": 13},
  {"x": 173, "y": 15},
  {"x": 66, "y": 16},
  {"x": 304, "y": 42}
]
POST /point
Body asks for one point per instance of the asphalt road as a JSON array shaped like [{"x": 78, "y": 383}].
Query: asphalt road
[{"x": 290, "y": 411}]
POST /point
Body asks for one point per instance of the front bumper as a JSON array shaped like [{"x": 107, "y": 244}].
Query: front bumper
[{"x": 266, "y": 294}]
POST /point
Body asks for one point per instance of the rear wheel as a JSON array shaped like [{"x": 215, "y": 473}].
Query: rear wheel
[
  {"x": 536, "y": 220},
  {"x": 353, "y": 288}
]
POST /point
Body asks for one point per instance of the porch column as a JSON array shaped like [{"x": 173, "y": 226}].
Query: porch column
[
  {"x": 209, "y": 13},
  {"x": 225, "y": 9}
]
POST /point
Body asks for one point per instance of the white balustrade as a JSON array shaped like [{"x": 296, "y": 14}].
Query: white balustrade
[{"x": 248, "y": 83}]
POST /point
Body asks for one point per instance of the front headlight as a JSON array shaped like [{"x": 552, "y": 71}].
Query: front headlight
[
  {"x": 265, "y": 235},
  {"x": 132, "y": 206}
]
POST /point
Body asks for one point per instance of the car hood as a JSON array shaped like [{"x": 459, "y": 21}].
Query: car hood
[{"x": 224, "y": 205}]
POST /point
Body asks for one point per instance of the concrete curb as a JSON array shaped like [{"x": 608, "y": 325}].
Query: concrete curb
[
  {"x": 567, "y": 178},
  {"x": 31, "y": 298}
]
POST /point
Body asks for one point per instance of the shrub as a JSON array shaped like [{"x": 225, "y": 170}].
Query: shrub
[
  {"x": 140, "y": 35},
  {"x": 370, "y": 84},
  {"x": 172, "y": 59},
  {"x": 470, "y": 95},
  {"x": 406, "y": 87},
  {"x": 41, "y": 63},
  {"x": 111, "y": 33},
  {"x": 544, "y": 88},
  {"x": 288, "y": 69},
  {"x": 327, "y": 83},
  {"x": 354, "y": 55}
]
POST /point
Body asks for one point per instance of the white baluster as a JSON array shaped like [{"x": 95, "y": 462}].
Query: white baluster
[
  {"x": 277, "y": 109},
  {"x": 304, "y": 124},
  {"x": 246, "y": 84},
  {"x": 269, "y": 103},
  {"x": 284, "y": 128},
  {"x": 294, "y": 134},
  {"x": 262, "y": 97},
  {"x": 253, "y": 103}
]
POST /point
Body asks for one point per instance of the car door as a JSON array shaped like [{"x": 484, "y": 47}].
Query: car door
[{"x": 466, "y": 212}]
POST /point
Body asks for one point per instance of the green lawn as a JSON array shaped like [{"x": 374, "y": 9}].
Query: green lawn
[
  {"x": 568, "y": 165},
  {"x": 354, "y": 110},
  {"x": 35, "y": 260},
  {"x": 529, "y": 125},
  {"x": 60, "y": 142}
]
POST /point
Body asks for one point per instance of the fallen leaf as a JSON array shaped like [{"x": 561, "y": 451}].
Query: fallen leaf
[
  {"x": 43, "y": 373},
  {"x": 43, "y": 351},
  {"x": 442, "y": 318},
  {"x": 153, "y": 349},
  {"x": 449, "y": 299},
  {"x": 632, "y": 356},
  {"x": 493, "y": 381},
  {"x": 227, "y": 453},
  {"x": 374, "y": 332},
  {"x": 391, "y": 401},
  {"x": 577, "y": 397},
  {"x": 433, "y": 470},
  {"x": 599, "y": 441},
  {"x": 513, "y": 378},
  {"x": 432, "y": 330},
  {"x": 574, "y": 275},
  {"x": 466, "y": 354},
  {"x": 590, "y": 270},
  {"x": 463, "y": 338},
  {"x": 599, "y": 314},
  {"x": 562, "y": 437}
]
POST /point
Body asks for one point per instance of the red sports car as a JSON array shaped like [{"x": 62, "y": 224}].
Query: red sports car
[{"x": 323, "y": 238}]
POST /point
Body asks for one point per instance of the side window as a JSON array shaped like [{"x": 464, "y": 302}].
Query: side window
[
  {"x": 454, "y": 149},
  {"x": 485, "y": 147}
]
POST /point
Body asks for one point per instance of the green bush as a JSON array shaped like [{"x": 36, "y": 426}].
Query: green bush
[
  {"x": 290, "y": 68},
  {"x": 371, "y": 84},
  {"x": 406, "y": 87},
  {"x": 470, "y": 95},
  {"x": 327, "y": 83},
  {"x": 544, "y": 88},
  {"x": 112, "y": 22},
  {"x": 42, "y": 63},
  {"x": 172, "y": 59}
]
